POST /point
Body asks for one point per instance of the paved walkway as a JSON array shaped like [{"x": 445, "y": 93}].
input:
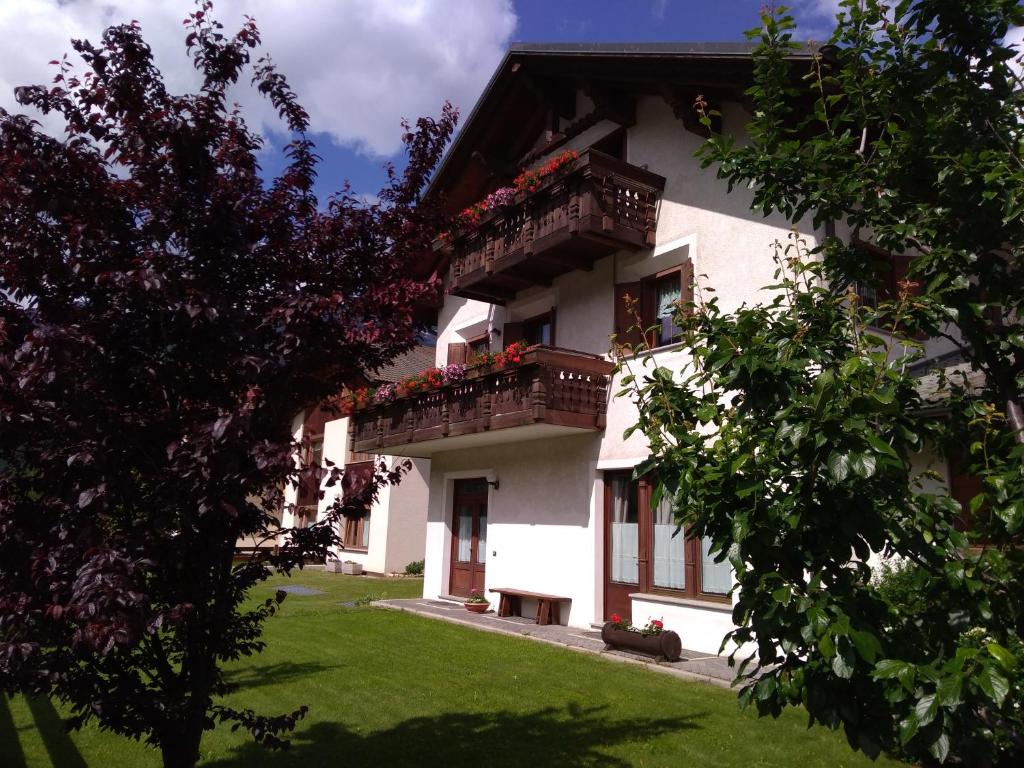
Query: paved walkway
[{"x": 693, "y": 665}]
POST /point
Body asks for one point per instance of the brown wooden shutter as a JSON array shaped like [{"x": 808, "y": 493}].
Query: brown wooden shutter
[
  {"x": 686, "y": 294},
  {"x": 456, "y": 353},
  {"x": 623, "y": 319},
  {"x": 512, "y": 332}
]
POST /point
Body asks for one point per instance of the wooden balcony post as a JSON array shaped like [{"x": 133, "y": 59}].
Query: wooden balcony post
[
  {"x": 485, "y": 407},
  {"x": 607, "y": 202},
  {"x": 601, "y": 396},
  {"x": 528, "y": 227},
  {"x": 574, "y": 209},
  {"x": 446, "y": 411},
  {"x": 650, "y": 218},
  {"x": 489, "y": 252},
  {"x": 539, "y": 389}
]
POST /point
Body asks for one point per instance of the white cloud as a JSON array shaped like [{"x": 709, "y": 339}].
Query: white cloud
[{"x": 358, "y": 66}]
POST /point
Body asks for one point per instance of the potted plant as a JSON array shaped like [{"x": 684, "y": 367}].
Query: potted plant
[
  {"x": 476, "y": 602},
  {"x": 352, "y": 568},
  {"x": 651, "y": 639},
  {"x": 332, "y": 565}
]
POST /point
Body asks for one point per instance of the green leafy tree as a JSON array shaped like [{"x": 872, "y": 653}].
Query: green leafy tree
[{"x": 789, "y": 437}]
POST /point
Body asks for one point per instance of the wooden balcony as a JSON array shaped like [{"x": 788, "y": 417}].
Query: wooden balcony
[
  {"x": 595, "y": 207},
  {"x": 552, "y": 392}
]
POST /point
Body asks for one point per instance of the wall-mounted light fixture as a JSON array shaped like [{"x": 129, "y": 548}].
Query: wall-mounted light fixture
[{"x": 493, "y": 484}]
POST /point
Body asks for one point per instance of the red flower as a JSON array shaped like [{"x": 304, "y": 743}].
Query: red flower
[
  {"x": 657, "y": 623},
  {"x": 616, "y": 618}
]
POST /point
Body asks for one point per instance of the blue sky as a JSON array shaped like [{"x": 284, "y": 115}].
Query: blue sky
[{"x": 360, "y": 66}]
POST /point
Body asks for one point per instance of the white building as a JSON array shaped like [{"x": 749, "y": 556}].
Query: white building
[
  {"x": 530, "y": 477},
  {"x": 390, "y": 534}
]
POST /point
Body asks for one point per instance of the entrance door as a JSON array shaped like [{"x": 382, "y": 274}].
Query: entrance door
[
  {"x": 469, "y": 536},
  {"x": 622, "y": 561}
]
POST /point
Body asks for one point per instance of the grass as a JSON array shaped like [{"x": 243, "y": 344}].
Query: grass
[{"x": 393, "y": 689}]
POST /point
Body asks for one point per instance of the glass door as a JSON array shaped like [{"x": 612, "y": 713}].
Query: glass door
[{"x": 469, "y": 537}]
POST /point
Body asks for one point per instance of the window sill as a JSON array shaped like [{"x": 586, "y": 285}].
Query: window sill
[
  {"x": 355, "y": 550},
  {"x": 675, "y": 346},
  {"x": 689, "y": 602}
]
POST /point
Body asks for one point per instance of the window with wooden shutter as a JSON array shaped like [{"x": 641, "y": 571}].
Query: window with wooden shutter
[
  {"x": 625, "y": 333},
  {"x": 657, "y": 300},
  {"x": 511, "y": 333},
  {"x": 456, "y": 353}
]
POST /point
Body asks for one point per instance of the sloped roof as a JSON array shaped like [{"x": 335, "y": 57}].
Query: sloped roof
[
  {"x": 512, "y": 105},
  {"x": 407, "y": 364}
]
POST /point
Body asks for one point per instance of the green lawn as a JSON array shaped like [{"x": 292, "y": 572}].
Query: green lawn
[{"x": 391, "y": 689}]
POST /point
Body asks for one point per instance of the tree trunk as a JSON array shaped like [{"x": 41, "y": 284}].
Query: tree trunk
[{"x": 180, "y": 748}]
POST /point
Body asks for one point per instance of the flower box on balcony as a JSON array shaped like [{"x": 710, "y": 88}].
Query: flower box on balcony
[
  {"x": 549, "y": 386},
  {"x": 590, "y": 208}
]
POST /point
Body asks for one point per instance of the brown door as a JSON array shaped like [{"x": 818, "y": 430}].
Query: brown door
[
  {"x": 469, "y": 536},
  {"x": 623, "y": 558}
]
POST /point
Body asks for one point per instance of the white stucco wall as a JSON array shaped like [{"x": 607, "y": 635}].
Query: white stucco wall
[
  {"x": 541, "y": 522},
  {"x": 397, "y": 518},
  {"x": 406, "y": 518}
]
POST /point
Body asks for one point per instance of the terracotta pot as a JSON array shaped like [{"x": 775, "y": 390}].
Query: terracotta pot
[
  {"x": 477, "y": 607},
  {"x": 665, "y": 644}
]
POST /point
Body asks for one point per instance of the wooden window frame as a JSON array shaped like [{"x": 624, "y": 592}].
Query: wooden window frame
[
  {"x": 483, "y": 338},
  {"x": 693, "y": 589},
  {"x": 649, "y": 299},
  {"x": 645, "y": 292},
  {"x": 548, "y": 317},
  {"x": 354, "y": 529}
]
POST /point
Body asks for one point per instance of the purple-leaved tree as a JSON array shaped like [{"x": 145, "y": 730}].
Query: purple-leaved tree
[{"x": 164, "y": 313}]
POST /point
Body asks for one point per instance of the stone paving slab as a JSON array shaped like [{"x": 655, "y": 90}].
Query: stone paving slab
[{"x": 693, "y": 665}]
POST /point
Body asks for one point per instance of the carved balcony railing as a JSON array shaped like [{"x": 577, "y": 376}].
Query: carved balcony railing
[
  {"x": 555, "y": 387},
  {"x": 594, "y": 207}
]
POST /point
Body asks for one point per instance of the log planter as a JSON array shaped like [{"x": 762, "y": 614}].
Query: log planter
[
  {"x": 666, "y": 644},
  {"x": 477, "y": 607}
]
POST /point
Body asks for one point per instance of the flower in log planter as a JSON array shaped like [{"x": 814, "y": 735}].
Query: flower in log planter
[
  {"x": 651, "y": 639},
  {"x": 476, "y": 602}
]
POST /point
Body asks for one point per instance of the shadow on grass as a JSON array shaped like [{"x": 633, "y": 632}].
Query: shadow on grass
[
  {"x": 59, "y": 746},
  {"x": 11, "y": 753},
  {"x": 576, "y": 737},
  {"x": 271, "y": 674}
]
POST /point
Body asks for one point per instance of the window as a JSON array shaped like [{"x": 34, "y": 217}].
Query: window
[
  {"x": 655, "y": 300},
  {"x": 665, "y": 291},
  {"x": 357, "y": 531},
  {"x": 538, "y": 330},
  {"x": 648, "y": 550},
  {"x": 481, "y": 345},
  {"x": 305, "y": 516}
]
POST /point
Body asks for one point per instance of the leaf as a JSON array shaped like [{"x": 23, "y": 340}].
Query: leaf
[
  {"x": 746, "y": 486},
  {"x": 838, "y": 466},
  {"x": 842, "y": 667},
  {"x": 867, "y": 645},
  {"x": 993, "y": 684},
  {"x": 940, "y": 747},
  {"x": 1006, "y": 659},
  {"x": 926, "y": 708},
  {"x": 863, "y": 464},
  {"x": 948, "y": 691}
]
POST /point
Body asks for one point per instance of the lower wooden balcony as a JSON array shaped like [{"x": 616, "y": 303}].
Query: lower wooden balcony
[{"x": 552, "y": 392}]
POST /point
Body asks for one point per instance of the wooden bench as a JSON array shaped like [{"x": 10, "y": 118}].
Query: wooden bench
[{"x": 547, "y": 605}]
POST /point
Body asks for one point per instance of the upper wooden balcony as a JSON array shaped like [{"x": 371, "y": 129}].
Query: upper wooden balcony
[
  {"x": 594, "y": 207},
  {"x": 551, "y": 392}
]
